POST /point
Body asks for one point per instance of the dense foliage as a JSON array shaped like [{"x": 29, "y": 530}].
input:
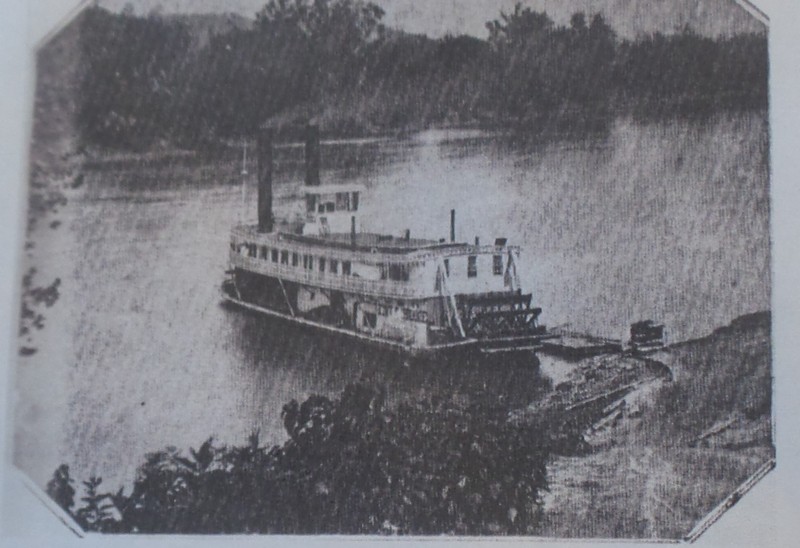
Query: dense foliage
[
  {"x": 349, "y": 466},
  {"x": 146, "y": 79}
]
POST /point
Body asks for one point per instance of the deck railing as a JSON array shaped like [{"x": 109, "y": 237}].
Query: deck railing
[
  {"x": 374, "y": 256},
  {"x": 328, "y": 280}
]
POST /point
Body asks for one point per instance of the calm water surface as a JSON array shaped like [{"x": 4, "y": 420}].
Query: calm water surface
[{"x": 664, "y": 221}]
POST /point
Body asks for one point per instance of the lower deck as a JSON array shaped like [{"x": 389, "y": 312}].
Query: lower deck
[{"x": 492, "y": 324}]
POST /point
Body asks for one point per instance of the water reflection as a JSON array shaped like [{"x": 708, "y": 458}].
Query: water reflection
[{"x": 316, "y": 363}]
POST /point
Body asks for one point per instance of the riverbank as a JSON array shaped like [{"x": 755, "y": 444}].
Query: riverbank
[
  {"x": 677, "y": 449},
  {"x": 612, "y": 450}
]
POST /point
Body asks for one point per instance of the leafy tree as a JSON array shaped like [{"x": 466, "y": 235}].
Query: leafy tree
[
  {"x": 60, "y": 488},
  {"x": 130, "y": 66},
  {"x": 147, "y": 83},
  {"x": 349, "y": 466},
  {"x": 95, "y": 514}
]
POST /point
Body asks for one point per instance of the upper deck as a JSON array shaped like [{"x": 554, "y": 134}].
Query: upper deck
[
  {"x": 366, "y": 247},
  {"x": 375, "y": 264}
]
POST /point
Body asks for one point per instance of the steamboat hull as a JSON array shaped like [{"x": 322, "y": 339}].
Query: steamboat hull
[{"x": 277, "y": 299}]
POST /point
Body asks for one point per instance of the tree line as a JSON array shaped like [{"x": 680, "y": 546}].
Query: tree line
[{"x": 146, "y": 80}]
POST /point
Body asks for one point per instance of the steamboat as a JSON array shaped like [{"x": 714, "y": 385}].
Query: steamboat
[{"x": 420, "y": 297}]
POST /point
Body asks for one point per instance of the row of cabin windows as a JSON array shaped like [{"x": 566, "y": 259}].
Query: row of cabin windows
[
  {"x": 282, "y": 256},
  {"x": 395, "y": 272}
]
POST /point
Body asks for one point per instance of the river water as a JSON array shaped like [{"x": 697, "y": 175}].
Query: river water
[{"x": 667, "y": 221}]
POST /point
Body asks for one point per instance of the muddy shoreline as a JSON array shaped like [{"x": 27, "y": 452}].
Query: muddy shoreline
[{"x": 660, "y": 457}]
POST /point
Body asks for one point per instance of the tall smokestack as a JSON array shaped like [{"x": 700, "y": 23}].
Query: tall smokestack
[
  {"x": 264, "y": 153},
  {"x": 312, "y": 154},
  {"x": 452, "y": 225}
]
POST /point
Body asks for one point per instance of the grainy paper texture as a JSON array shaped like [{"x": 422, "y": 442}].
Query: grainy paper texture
[{"x": 341, "y": 268}]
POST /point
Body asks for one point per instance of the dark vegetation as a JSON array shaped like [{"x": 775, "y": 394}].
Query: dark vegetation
[
  {"x": 33, "y": 299},
  {"x": 151, "y": 80},
  {"x": 349, "y": 466}
]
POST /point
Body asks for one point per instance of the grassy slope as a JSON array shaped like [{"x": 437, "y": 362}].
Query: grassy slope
[{"x": 650, "y": 480}]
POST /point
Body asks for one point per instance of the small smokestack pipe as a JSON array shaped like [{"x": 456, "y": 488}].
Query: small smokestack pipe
[
  {"x": 408, "y": 234},
  {"x": 477, "y": 241},
  {"x": 312, "y": 155},
  {"x": 452, "y": 225},
  {"x": 264, "y": 154}
]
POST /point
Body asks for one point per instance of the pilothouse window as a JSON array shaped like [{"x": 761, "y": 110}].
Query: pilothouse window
[
  {"x": 472, "y": 266},
  {"x": 497, "y": 265},
  {"x": 342, "y": 201}
]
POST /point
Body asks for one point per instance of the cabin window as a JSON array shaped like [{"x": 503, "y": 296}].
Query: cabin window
[
  {"x": 497, "y": 265},
  {"x": 311, "y": 202},
  {"x": 274, "y": 255},
  {"x": 342, "y": 201},
  {"x": 263, "y": 253},
  {"x": 472, "y": 266},
  {"x": 354, "y": 202},
  {"x": 284, "y": 257},
  {"x": 295, "y": 259},
  {"x": 334, "y": 266},
  {"x": 398, "y": 272},
  {"x": 447, "y": 267},
  {"x": 370, "y": 319},
  {"x": 321, "y": 208},
  {"x": 346, "y": 268},
  {"x": 330, "y": 207},
  {"x": 251, "y": 250},
  {"x": 322, "y": 264},
  {"x": 308, "y": 262}
]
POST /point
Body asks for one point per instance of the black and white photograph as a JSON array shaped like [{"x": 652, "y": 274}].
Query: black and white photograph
[{"x": 375, "y": 269}]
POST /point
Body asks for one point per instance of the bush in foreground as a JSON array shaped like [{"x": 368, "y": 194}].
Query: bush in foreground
[{"x": 350, "y": 466}]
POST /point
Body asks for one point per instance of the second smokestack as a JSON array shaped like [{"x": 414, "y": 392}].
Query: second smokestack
[
  {"x": 312, "y": 155},
  {"x": 264, "y": 156}
]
